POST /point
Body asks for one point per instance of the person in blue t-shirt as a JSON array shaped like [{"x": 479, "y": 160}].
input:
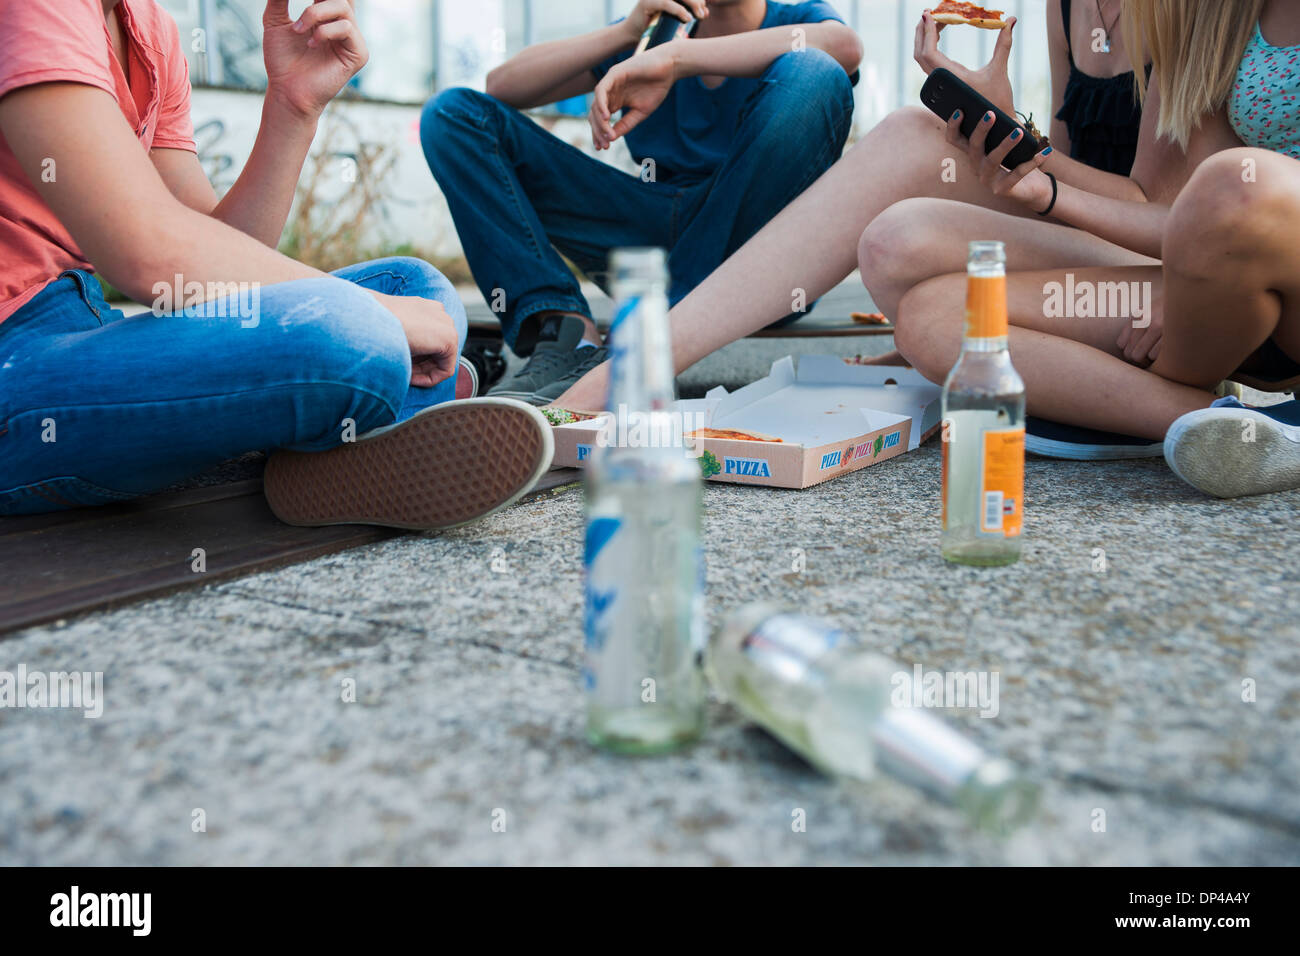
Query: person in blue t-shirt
[{"x": 728, "y": 125}]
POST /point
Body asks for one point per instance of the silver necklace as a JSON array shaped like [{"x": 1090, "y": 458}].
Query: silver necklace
[{"x": 1105, "y": 30}]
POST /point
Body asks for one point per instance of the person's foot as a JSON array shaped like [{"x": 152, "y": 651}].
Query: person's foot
[
  {"x": 590, "y": 359},
  {"x": 1070, "y": 442},
  {"x": 554, "y": 360},
  {"x": 445, "y": 466},
  {"x": 1229, "y": 450}
]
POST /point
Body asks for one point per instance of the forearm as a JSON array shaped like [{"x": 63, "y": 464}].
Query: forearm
[
  {"x": 749, "y": 54},
  {"x": 532, "y": 77},
  {"x": 1138, "y": 226},
  {"x": 258, "y": 203},
  {"x": 1096, "y": 181},
  {"x": 204, "y": 252}
]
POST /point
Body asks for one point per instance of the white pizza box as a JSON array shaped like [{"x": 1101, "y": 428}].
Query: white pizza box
[{"x": 832, "y": 418}]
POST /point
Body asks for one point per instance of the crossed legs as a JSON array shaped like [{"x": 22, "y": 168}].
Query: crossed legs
[{"x": 1229, "y": 283}]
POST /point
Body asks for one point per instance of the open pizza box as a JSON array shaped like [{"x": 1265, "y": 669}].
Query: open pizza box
[{"x": 832, "y": 418}]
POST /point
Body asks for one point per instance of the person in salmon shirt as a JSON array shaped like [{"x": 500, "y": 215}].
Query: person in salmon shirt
[{"x": 348, "y": 378}]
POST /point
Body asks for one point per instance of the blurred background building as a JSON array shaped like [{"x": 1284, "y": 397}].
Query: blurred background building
[{"x": 367, "y": 187}]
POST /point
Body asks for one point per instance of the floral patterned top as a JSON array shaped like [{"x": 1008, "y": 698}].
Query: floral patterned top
[{"x": 1265, "y": 104}]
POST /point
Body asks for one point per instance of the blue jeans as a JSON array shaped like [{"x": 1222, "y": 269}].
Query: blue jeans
[
  {"x": 96, "y": 407},
  {"x": 518, "y": 194}
]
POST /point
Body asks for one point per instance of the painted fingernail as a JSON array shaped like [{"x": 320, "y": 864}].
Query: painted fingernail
[
  {"x": 957, "y": 115},
  {"x": 988, "y": 117},
  {"x": 1047, "y": 151},
  {"x": 1015, "y": 134}
]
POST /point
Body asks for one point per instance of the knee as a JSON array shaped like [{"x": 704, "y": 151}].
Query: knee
[
  {"x": 418, "y": 279},
  {"x": 415, "y": 277},
  {"x": 911, "y": 121},
  {"x": 457, "y": 101},
  {"x": 351, "y": 349},
  {"x": 445, "y": 116},
  {"x": 892, "y": 250},
  {"x": 1234, "y": 201},
  {"x": 813, "y": 79}
]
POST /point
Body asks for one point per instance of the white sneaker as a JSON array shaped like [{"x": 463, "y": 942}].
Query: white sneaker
[{"x": 1229, "y": 450}]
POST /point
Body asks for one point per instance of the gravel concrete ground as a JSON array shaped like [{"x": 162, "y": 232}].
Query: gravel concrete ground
[
  {"x": 1122, "y": 689},
  {"x": 1148, "y": 651}
]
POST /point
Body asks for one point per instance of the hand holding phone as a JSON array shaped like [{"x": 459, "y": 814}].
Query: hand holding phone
[
  {"x": 944, "y": 94},
  {"x": 1005, "y": 156}
]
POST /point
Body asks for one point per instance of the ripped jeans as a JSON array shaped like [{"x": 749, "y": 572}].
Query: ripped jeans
[{"x": 98, "y": 407}]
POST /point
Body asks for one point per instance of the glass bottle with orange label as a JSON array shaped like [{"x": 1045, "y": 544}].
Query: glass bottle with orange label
[{"x": 984, "y": 426}]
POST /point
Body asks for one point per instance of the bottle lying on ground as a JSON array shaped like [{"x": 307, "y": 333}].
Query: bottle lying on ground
[
  {"x": 984, "y": 426},
  {"x": 644, "y": 604},
  {"x": 831, "y": 700}
]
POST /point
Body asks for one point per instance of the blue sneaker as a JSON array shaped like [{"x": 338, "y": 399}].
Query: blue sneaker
[
  {"x": 1229, "y": 450},
  {"x": 1054, "y": 440}
]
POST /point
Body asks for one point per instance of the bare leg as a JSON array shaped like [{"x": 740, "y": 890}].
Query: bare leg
[
  {"x": 1232, "y": 266},
  {"x": 812, "y": 244},
  {"x": 1072, "y": 367},
  {"x": 918, "y": 239}
]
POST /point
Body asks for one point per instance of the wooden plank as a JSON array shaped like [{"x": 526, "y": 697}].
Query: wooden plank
[
  {"x": 809, "y": 327},
  {"x": 841, "y": 331},
  {"x": 59, "y": 565}
]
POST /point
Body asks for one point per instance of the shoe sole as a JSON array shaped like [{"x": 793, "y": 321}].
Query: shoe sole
[
  {"x": 1072, "y": 451},
  {"x": 1206, "y": 449},
  {"x": 447, "y": 466}
]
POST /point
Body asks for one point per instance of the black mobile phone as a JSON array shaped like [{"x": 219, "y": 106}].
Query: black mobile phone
[
  {"x": 944, "y": 93},
  {"x": 663, "y": 29}
]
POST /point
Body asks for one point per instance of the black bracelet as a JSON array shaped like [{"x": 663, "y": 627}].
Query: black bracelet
[{"x": 1051, "y": 205}]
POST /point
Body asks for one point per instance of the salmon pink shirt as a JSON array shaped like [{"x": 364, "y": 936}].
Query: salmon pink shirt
[{"x": 67, "y": 41}]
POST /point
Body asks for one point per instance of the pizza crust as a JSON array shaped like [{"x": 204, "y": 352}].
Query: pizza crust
[
  {"x": 732, "y": 434},
  {"x": 969, "y": 13},
  {"x": 955, "y": 19}
]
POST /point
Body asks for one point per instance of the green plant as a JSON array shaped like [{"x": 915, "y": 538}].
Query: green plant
[{"x": 329, "y": 234}]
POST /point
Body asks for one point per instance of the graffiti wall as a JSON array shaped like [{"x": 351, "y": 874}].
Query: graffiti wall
[{"x": 355, "y": 137}]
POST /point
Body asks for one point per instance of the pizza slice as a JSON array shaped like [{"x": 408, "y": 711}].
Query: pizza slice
[
  {"x": 950, "y": 12},
  {"x": 562, "y": 416},
  {"x": 731, "y": 434}
]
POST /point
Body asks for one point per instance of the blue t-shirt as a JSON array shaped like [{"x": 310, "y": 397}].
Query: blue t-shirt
[{"x": 690, "y": 134}]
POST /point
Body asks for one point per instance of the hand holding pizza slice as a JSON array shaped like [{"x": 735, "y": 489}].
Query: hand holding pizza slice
[{"x": 993, "y": 79}]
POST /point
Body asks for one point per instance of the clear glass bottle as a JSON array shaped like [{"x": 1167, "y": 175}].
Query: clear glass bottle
[
  {"x": 984, "y": 426},
  {"x": 645, "y": 597},
  {"x": 830, "y": 700}
]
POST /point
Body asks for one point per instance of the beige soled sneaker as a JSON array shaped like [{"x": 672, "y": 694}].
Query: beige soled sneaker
[{"x": 446, "y": 466}]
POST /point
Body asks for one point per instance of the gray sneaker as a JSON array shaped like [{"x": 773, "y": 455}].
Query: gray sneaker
[
  {"x": 588, "y": 360},
  {"x": 553, "y": 363}
]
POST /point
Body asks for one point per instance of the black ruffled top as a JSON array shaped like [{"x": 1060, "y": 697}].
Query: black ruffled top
[{"x": 1102, "y": 115}]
